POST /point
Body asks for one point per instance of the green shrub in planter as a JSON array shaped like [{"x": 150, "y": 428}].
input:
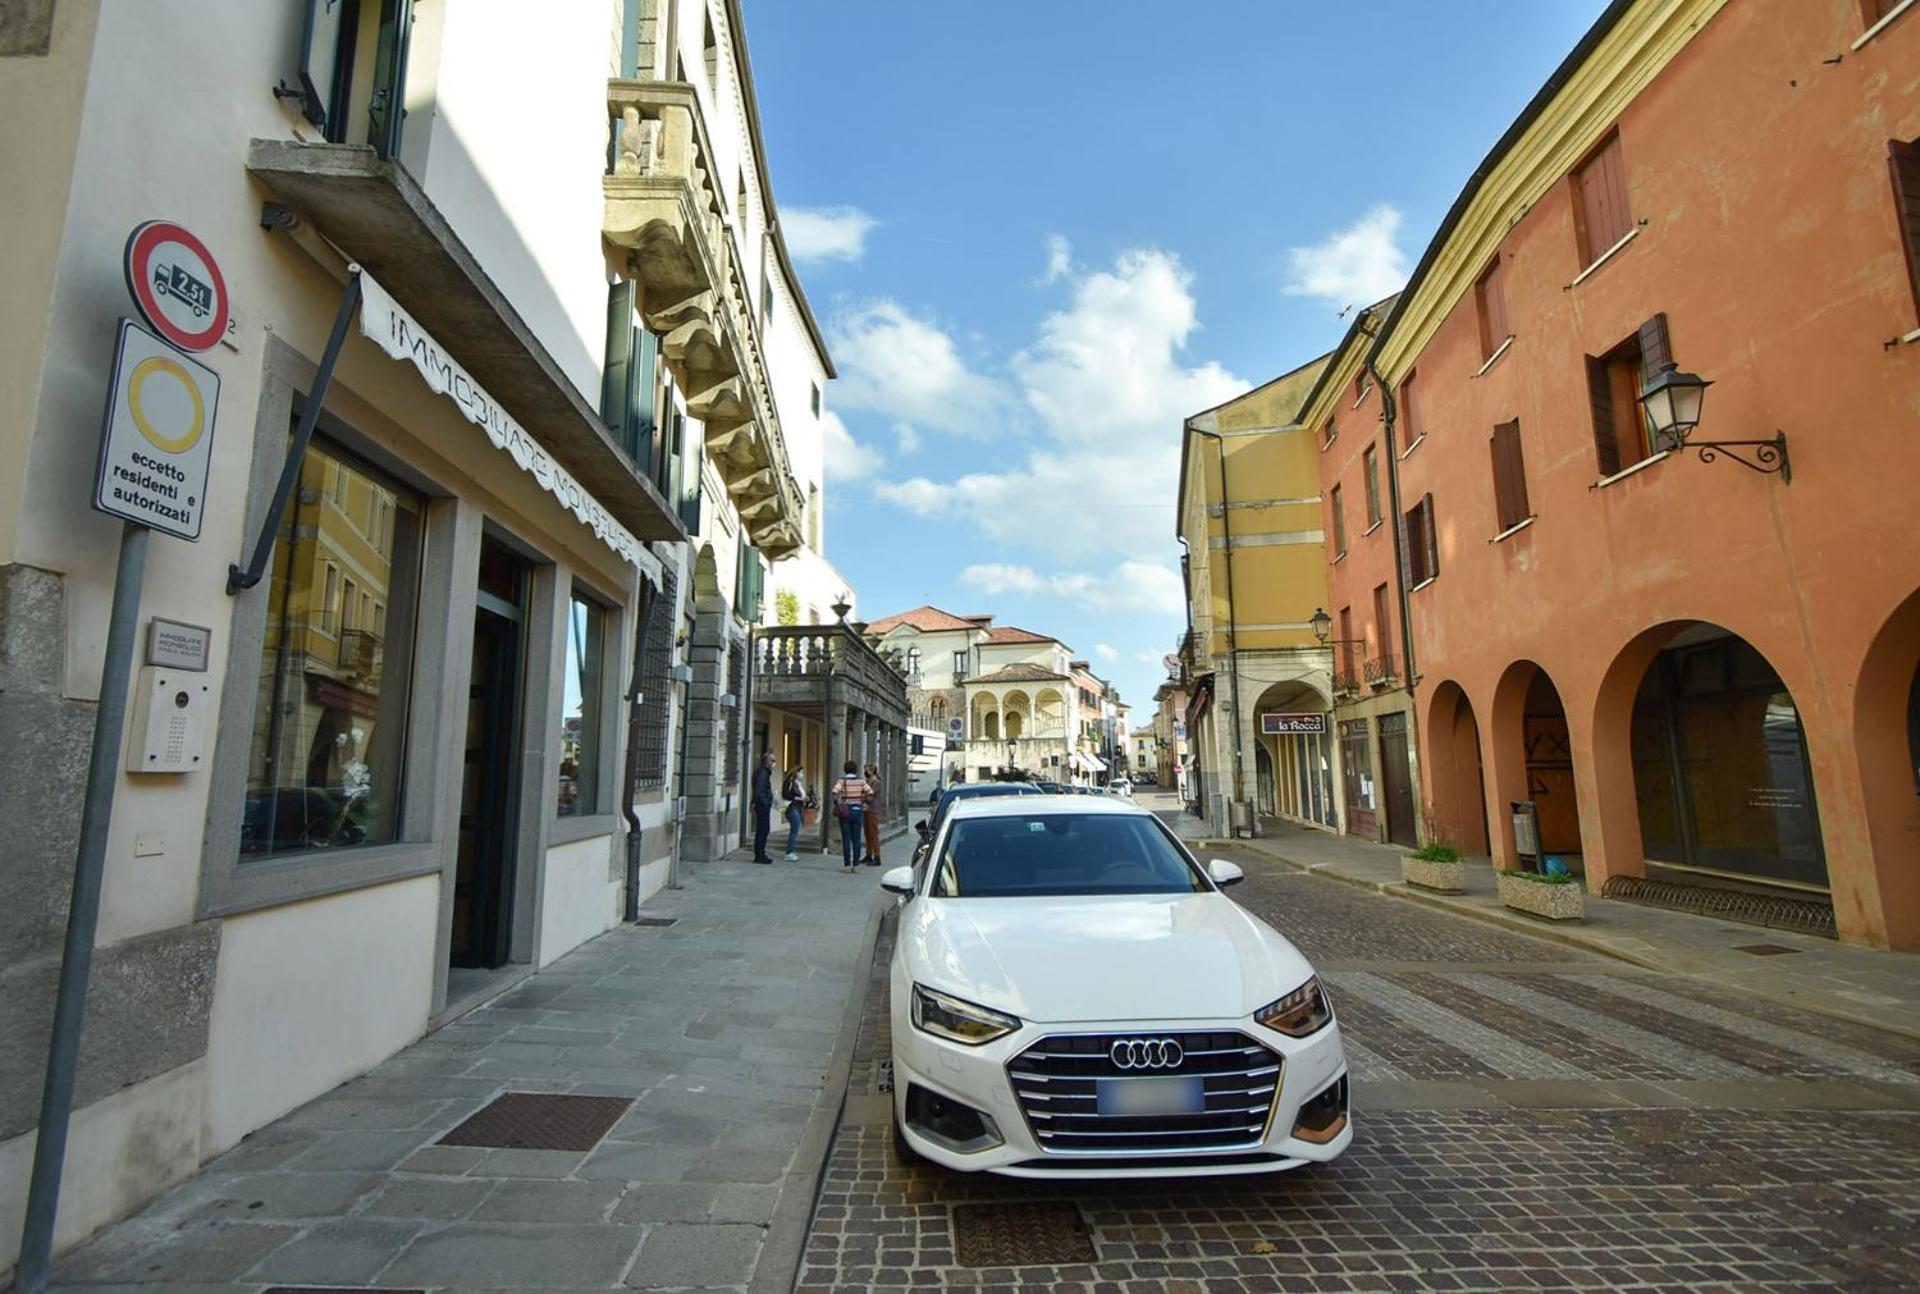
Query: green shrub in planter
[
  {"x": 1558, "y": 898},
  {"x": 1435, "y": 866}
]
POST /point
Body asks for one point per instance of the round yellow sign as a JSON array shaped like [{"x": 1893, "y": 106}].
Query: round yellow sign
[{"x": 187, "y": 439}]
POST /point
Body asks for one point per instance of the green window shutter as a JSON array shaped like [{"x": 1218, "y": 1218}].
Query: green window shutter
[
  {"x": 690, "y": 479},
  {"x": 671, "y": 458},
  {"x": 641, "y": 434},
  {"x": 616, "y": 376}
]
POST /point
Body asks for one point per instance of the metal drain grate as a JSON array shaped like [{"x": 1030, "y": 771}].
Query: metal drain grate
[
  {"x": 540, "y": 1121},
  {"x": 883, "y": 1076},
  {"x": 1779, "y": 911},
  {"x": 338, "y": 1289},
  {"x": 1764, "y": 950},
  {"x": 1045, "y": 1232},
  {"x": 654, "y": 921}
]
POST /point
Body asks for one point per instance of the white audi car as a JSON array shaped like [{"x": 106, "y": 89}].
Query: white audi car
[{"x": 1073, "y": 996}]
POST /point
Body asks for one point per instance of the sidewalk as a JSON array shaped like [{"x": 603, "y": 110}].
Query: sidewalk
[
  {"x": 717, "y": 1046},
  {"x": 1862, "y": 984}
]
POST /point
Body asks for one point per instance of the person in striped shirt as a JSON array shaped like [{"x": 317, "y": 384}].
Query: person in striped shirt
[{"x": 852, "y": 794}]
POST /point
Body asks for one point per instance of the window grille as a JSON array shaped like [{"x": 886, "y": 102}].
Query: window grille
[{"x": 650, "y": 743}]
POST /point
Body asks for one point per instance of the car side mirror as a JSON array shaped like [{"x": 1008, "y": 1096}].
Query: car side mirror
[
  {"x": 1225, "y": 873},
  {"x": 897, "y": 879}
]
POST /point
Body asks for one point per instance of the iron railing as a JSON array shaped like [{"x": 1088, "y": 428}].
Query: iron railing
[{"x": 1382, "y": 670}]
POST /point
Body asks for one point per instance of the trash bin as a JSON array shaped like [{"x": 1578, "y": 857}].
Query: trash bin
[{"x": 1526, "y": 833}]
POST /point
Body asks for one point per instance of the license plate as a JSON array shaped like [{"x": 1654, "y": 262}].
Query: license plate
[{"x": 1145, "y": 1096}]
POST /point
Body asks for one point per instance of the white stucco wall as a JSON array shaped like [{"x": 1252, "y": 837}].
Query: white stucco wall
[
  {"x": 577, "y": 900},
  {"x": 518, "y": 147},
  {"x": 310, "y": 995}
]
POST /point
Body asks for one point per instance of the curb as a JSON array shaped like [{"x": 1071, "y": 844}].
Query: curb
[
  {"x": 1572, "y": 938},
  {"x": 778, "y": 1268}
]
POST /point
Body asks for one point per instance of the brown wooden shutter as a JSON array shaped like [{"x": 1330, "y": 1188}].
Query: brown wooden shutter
[
  {"x": 1493, "y": 309},
  {"x": 1430, "y": 538},
  {"x": 1903, "y": 161},
  {"x": 1605, "y": 217},
  {"x": 1656, "y": 350},
  {"x": 1606, "y": 441},
  {"x": 1509, "y": 475},
  {"x": 1409, "y": 570},
  {"x": 1408, "y": 427}
]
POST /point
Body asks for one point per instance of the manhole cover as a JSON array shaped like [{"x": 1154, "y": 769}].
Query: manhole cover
[
  {"x": 1049, "y": 1232},
  {"x": 1764, "y": 950},
  {"x": 654, "y": 921},
  {"x": 540, "y": 1121}
]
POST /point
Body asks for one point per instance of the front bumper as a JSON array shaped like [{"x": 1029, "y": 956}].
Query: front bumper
[{"x": 977, "y": 1077}]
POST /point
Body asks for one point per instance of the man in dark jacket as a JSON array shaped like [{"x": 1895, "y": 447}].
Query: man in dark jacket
[{"x": 762, "y": 806}]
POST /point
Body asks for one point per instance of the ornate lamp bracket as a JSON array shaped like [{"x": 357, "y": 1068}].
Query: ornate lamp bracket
[{"x": 1769, "y": 457}]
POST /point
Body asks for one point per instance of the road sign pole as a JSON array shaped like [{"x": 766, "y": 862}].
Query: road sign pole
[{"x": 83, "y": 915}]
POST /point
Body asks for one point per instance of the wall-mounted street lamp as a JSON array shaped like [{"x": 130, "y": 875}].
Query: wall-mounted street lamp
[
  {"x": 1673, "y": 400},
  {"x": 1323, "y": 629}
]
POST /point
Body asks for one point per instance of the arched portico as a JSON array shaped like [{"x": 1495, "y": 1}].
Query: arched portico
[
  {"x": 1293, "y": 759},
  {"x": 1886, "y": 727},
  {"x": 1456, "y": 808},
  {"x": 1529, "y": 756}
]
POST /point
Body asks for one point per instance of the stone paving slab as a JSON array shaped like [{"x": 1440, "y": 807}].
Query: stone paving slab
[{"x": 724, "y": 1030}]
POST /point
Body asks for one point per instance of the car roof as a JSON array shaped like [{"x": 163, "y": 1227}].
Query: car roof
[{"x": 1021, "y": 806}]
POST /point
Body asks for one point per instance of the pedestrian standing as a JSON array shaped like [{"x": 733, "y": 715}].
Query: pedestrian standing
[
  {"x": 795, "y": 795},
  {"x": 850, "y": 794},
  {"x": 873, "y": 815},
  {"x": 762, "y": 806}
]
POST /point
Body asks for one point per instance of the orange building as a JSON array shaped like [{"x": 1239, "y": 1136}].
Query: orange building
[{"x": 1701, "y": 666}]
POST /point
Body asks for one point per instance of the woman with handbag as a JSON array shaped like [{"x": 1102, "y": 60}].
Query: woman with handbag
[
  {"x": 850, "y": 795},
  {"x": 873, "y": 815},
  {"x": 795, "y": 794}
]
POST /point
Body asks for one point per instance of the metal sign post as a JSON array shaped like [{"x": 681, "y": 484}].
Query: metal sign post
[{"x": 83, "y": 914}]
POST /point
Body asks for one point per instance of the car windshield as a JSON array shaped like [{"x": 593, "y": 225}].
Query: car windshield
[{"x": 1053, "y": 854}]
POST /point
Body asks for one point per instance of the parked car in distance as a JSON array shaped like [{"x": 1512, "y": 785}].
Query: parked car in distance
[
  {"x": 1120, "y": 786},
  {"x": 1073, "y": 997},
  {"x": 957, "y": 794}
]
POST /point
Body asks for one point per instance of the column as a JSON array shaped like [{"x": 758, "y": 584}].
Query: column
[{"x": 704, "y": 836}]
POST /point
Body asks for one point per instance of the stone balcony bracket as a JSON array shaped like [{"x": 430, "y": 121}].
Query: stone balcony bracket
[{"x": 664, "y": 216}]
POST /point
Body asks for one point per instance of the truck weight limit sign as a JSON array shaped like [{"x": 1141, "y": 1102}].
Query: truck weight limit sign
[
  {"x": 158, "y": 441},
  {"x": 176, "y": 285}
]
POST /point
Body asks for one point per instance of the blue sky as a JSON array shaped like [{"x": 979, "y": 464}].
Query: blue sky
[{"x": 1039, "y": 233}]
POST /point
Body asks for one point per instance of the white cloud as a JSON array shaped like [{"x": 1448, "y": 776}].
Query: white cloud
[
  {"x": 1130, "y": 586},
  {"x": 907, "y": 436},
  {"x": 1106, "y": 652},
  {"x": 847, "y": 459},
  {"x": 826, "y": 233},
  {"x": 1354, "y": 266},
  {"x": 893, "y": 363},
  {"x": 1059, "y": 259},
  {"x": 1106, "y": 381}
]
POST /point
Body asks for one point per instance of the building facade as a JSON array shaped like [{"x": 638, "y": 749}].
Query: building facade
[
  {"x": 489, "y": 683},
  {"x": 1698, "y": 672},
  {"x": 1261, "y": 683}
]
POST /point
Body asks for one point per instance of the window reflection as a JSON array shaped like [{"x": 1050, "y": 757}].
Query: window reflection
[
  {"x": 324, "y": 767},
  {"x": 580, "y": 712}
]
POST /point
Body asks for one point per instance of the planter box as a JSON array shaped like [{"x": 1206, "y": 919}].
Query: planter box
[
  {"x": 1447, "y": 878},
  {"x": 1554, "y": 902}
]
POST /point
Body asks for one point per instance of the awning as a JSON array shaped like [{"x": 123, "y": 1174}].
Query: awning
[
  {"x": 375, "y": 212},
  {"x": 1088, "y": 763}
]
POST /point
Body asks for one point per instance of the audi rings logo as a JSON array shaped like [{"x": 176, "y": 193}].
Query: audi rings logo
[{"x": 1145, "y": 1053}]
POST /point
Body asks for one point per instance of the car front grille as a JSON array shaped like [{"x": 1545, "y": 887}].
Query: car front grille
[{"x": 1056, "y": 1083}]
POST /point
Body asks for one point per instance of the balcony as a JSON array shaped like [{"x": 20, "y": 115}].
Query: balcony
[
  {"x": 1346, "y": 681},
  {"x": 804, "y": 666},
  {"x": 1382, "y": 671},
  {"x": 663, "y": 211},
  {"x": 375, "y": 212},
  {"x": 361, "y": 652}
]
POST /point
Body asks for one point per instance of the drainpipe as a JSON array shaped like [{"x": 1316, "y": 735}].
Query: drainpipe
[{"x": 1233, "y": 639}]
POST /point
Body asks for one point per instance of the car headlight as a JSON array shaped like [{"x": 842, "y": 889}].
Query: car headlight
[
  {"x": 958, "y": 1021},
  {"x": 1301, "y": 1012}
]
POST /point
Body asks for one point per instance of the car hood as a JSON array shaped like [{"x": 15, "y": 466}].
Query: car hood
[{"x": 1167, "y": 957}]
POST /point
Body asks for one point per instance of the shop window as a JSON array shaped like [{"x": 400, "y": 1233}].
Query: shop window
[
  {"x": 581, "y": 733},
  {"x": 324, "y": 765},
  {"x": 1372, "y": 458},
  {"x": 1490, "y": 296},
  {"x": 1621, "y": 435},
  {"x": 1904, "y": 162},
  {"x": 1601, "y": 215},
  {"x": 1509, "y": 477}
]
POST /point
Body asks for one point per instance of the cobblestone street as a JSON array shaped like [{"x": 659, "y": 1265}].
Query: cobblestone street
[{"x": 1528, "y": 1116}]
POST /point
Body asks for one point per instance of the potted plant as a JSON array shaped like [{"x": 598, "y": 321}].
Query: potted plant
[
  {"x": 1557, "y": 897},
  {"x": 1435, "y": 866}
]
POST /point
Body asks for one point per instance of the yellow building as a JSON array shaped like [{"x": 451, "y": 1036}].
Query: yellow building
[{"x": 1250, "y": 518}]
